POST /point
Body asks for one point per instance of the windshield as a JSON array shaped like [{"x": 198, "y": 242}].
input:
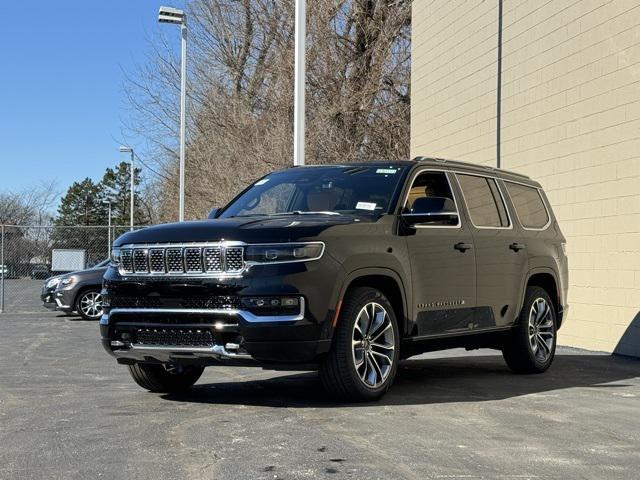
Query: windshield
[{"x": 331, "y": 190}]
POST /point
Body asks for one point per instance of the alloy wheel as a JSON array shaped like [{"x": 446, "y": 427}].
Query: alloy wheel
[
  {"x": 373, "y": 343},
  {"x": 91, "y": 304},
  {"x": 541, "y": 329}
]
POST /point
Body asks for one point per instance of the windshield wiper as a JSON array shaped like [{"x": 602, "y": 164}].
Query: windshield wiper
[
  {"x": 300, "y": 212},
  {"x": 252, "y": 215}
]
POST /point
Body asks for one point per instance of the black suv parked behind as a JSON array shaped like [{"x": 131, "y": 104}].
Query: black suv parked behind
[{"x": 344, "y": 268}]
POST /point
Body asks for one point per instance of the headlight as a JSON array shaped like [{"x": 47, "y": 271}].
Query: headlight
[
  {"x": 66, "y": 282},
  {"x": 284, "y": 252},
  {"x": 52, "y": 283},
  {"x": 115, "y": 257}
]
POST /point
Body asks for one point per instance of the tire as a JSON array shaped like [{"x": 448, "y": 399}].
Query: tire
[
  {"x": 531, "y": 347},
  {"x": 160, "y": 379},
  {"x": 347, "y": 372},
  {"x": 89, "y": 304}
]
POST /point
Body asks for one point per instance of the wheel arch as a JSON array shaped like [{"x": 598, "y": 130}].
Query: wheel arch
[
  {"x": 547, "y": 279},
  {"x": 385, "y": 280},
  {"x": 84, "y": 288}
]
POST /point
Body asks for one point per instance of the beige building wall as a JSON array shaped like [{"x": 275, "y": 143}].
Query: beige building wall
[{"x": 570, "y": 116}]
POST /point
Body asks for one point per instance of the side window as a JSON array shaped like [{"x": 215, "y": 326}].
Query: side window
[
  {"x": 529, "y": 205},
  {"x": 432, "y": 185},
  {"x": 484, "y": 202}
]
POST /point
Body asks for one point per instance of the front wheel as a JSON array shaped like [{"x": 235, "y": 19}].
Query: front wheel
[
  {"x": 364, "y": 357},
  {"x": 89, "y": 305},
  {"x": 532, "y": 345},
  {"x": 165, "y": 378}
]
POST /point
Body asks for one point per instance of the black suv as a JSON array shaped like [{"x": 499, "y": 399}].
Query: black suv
[{"x": 343, "y": 268}]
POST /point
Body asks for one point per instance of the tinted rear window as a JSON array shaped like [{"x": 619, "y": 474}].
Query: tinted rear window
[
  {"x": 529, "y": 205},
  {"x": 483, "y": 201}
]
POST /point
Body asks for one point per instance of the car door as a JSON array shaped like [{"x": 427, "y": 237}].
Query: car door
[
  {"x": 501, "y": 258},
  {"x": 442, "y": 258}
]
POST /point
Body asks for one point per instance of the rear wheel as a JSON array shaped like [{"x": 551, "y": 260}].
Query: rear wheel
[
  {"x": 532, "y": 346},
  {"x": 165, "y": 378},
  {"x": 89, "y": 305},
  {"x": 364, "y": 357}
]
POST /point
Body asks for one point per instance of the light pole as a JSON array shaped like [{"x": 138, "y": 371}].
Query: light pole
[
  {"x": 299, "y": 88},
  {"x": 108, "y": 202},
  {"x": 178, "y": 17},
  {"x": 132, "y": 175}
]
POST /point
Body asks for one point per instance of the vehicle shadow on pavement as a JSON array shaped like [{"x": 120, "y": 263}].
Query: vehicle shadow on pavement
[{"x": 428, "y": 381}]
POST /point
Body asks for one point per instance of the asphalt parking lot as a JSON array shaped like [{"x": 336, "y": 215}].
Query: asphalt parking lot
[{"x": 68, "y": 411}]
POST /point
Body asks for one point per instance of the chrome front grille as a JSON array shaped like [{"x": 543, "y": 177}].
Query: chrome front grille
[{"x": 182, "y": 260}]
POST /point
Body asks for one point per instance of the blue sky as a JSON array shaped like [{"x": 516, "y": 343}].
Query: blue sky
[{"x": 62, "y": 103}]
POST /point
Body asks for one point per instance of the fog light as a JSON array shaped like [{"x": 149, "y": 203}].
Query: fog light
[
  {"x": 290, "y": 301},
  {"x": 271, "y": 304}
]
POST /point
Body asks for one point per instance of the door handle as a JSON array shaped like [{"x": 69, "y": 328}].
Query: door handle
[
  {"x": 516, "y": 247},
  {"x": 463, "y": 247}
]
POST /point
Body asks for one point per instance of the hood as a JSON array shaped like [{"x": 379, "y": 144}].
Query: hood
[
  {"x": 283, "y": 228},
  {"x": 89, "y": 272}
]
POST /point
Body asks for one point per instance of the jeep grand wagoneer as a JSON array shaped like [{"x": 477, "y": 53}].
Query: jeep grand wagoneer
[{"x": 346, "y": 269}]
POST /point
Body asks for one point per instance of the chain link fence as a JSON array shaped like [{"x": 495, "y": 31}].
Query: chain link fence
[{"x": 31, "y": 254}]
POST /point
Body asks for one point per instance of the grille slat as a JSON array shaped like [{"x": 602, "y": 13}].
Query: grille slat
[
  {"x": 156, "y": 260},
  {"x": 234, "y": 261},
  {"x": 213, "y": 259},
  {"x": 183, "y": 260},
  {"x": 174, "y": 260},
  {"x": 140, "y": 260},
  {"x": 127, "y": 261},
  {"x": 193, "y": 260}
]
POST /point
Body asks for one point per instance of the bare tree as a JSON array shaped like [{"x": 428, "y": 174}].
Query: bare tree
[
  {"x": 241, "y": 93},
  {"x": 31, "y": 206}
]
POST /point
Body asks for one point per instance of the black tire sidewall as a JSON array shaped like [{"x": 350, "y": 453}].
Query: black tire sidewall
[{"x": 155, "y": 378}]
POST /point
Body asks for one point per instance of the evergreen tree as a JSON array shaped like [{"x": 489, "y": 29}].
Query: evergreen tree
[
  {"x": 116, "y": 183},
  {"x": 82, "y": 205}
]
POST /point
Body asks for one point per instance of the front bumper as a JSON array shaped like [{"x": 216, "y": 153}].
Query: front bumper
[
  {"x": 238, "y": 337},
  {"x": 216, "y": 308},
  {"x": 64, "y": 300},
  {"x": 48, "y": 300}
]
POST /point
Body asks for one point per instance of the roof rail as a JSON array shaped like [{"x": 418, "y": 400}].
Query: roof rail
[{"x": 454, "y": 163}]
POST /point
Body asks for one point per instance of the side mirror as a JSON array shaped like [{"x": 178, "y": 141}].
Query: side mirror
[
  {"x": 432, "y": 210},
  {"x": 213, "y": 213}
]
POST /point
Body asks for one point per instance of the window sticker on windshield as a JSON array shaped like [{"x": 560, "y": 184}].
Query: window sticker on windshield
[
  {"x": 387, "y": 171},
  {"x": 261, "y": 182},
  {"x": 366, "y": 206}
]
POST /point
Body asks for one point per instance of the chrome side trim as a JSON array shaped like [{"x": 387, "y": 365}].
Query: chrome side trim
[{"x": 245, "y": 315}]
